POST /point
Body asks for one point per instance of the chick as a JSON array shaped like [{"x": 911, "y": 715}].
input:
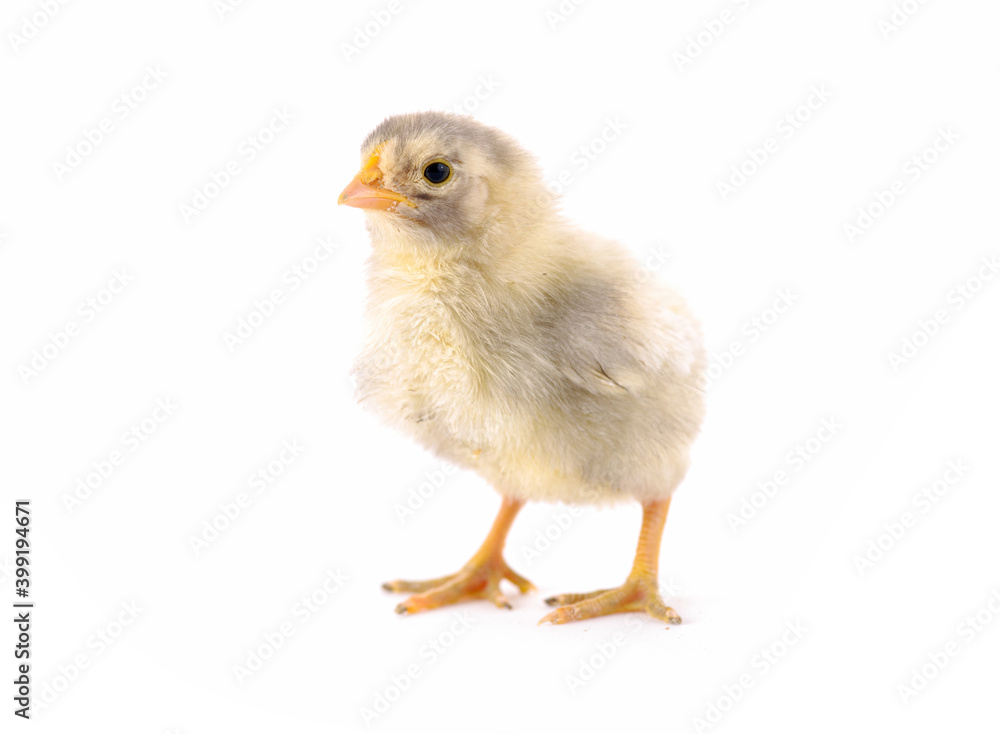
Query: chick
[{"x": 507, "y": 341}]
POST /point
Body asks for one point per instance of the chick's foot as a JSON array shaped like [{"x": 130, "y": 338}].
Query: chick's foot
[
  {"x": 479, "y": 579},
  {"x": 635, "y": 595},
  {"x": 639, "y": 593}
]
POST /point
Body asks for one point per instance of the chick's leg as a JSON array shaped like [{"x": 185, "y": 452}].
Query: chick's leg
[
  {"x": 639, "y": 593},
  {"x": 479, "y": 578}
]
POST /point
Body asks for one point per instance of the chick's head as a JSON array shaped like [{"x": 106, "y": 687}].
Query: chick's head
[{"x": 443, "y": 180}]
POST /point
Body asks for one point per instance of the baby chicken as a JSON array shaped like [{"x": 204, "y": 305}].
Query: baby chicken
[{"x": 509, "y": 342}]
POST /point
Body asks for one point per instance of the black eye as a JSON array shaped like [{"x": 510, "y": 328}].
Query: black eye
[{"x": 437, "y": 172}]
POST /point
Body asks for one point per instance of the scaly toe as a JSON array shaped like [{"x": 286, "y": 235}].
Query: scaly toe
[
  {"x": 417, "y": 586},
  {"x": 475, "y": 581},
  {"x": 560, "y": 599},
  {"x": 501, "y": 601},
  {"x": 632, "y": 596},
  {"x": 656, "y": 608},
  {"x": 522, "y": 584}
]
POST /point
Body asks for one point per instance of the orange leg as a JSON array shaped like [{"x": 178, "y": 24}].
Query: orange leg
[
  {"x": 639, "y": 593},
  {"x": 479, "y": 578}
]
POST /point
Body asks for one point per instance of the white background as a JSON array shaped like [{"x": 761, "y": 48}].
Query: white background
[{"x": 555, "y": 82}]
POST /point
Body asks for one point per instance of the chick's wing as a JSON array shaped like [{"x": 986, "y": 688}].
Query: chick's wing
[{"x": 611, "y": 335}]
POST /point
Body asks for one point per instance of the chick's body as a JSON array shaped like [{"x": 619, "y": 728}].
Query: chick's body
[
  {"x": 508, "y": 341},
  {"x": 557, "y": 373}
]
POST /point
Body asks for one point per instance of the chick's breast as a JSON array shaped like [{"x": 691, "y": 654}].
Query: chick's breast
[{"x": 558, "y": 375}]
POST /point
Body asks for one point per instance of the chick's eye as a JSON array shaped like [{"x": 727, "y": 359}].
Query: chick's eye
[{"x": 437, "y": 172}]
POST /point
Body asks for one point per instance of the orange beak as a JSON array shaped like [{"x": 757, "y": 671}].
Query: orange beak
[{"x": 366, "y": 191}]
